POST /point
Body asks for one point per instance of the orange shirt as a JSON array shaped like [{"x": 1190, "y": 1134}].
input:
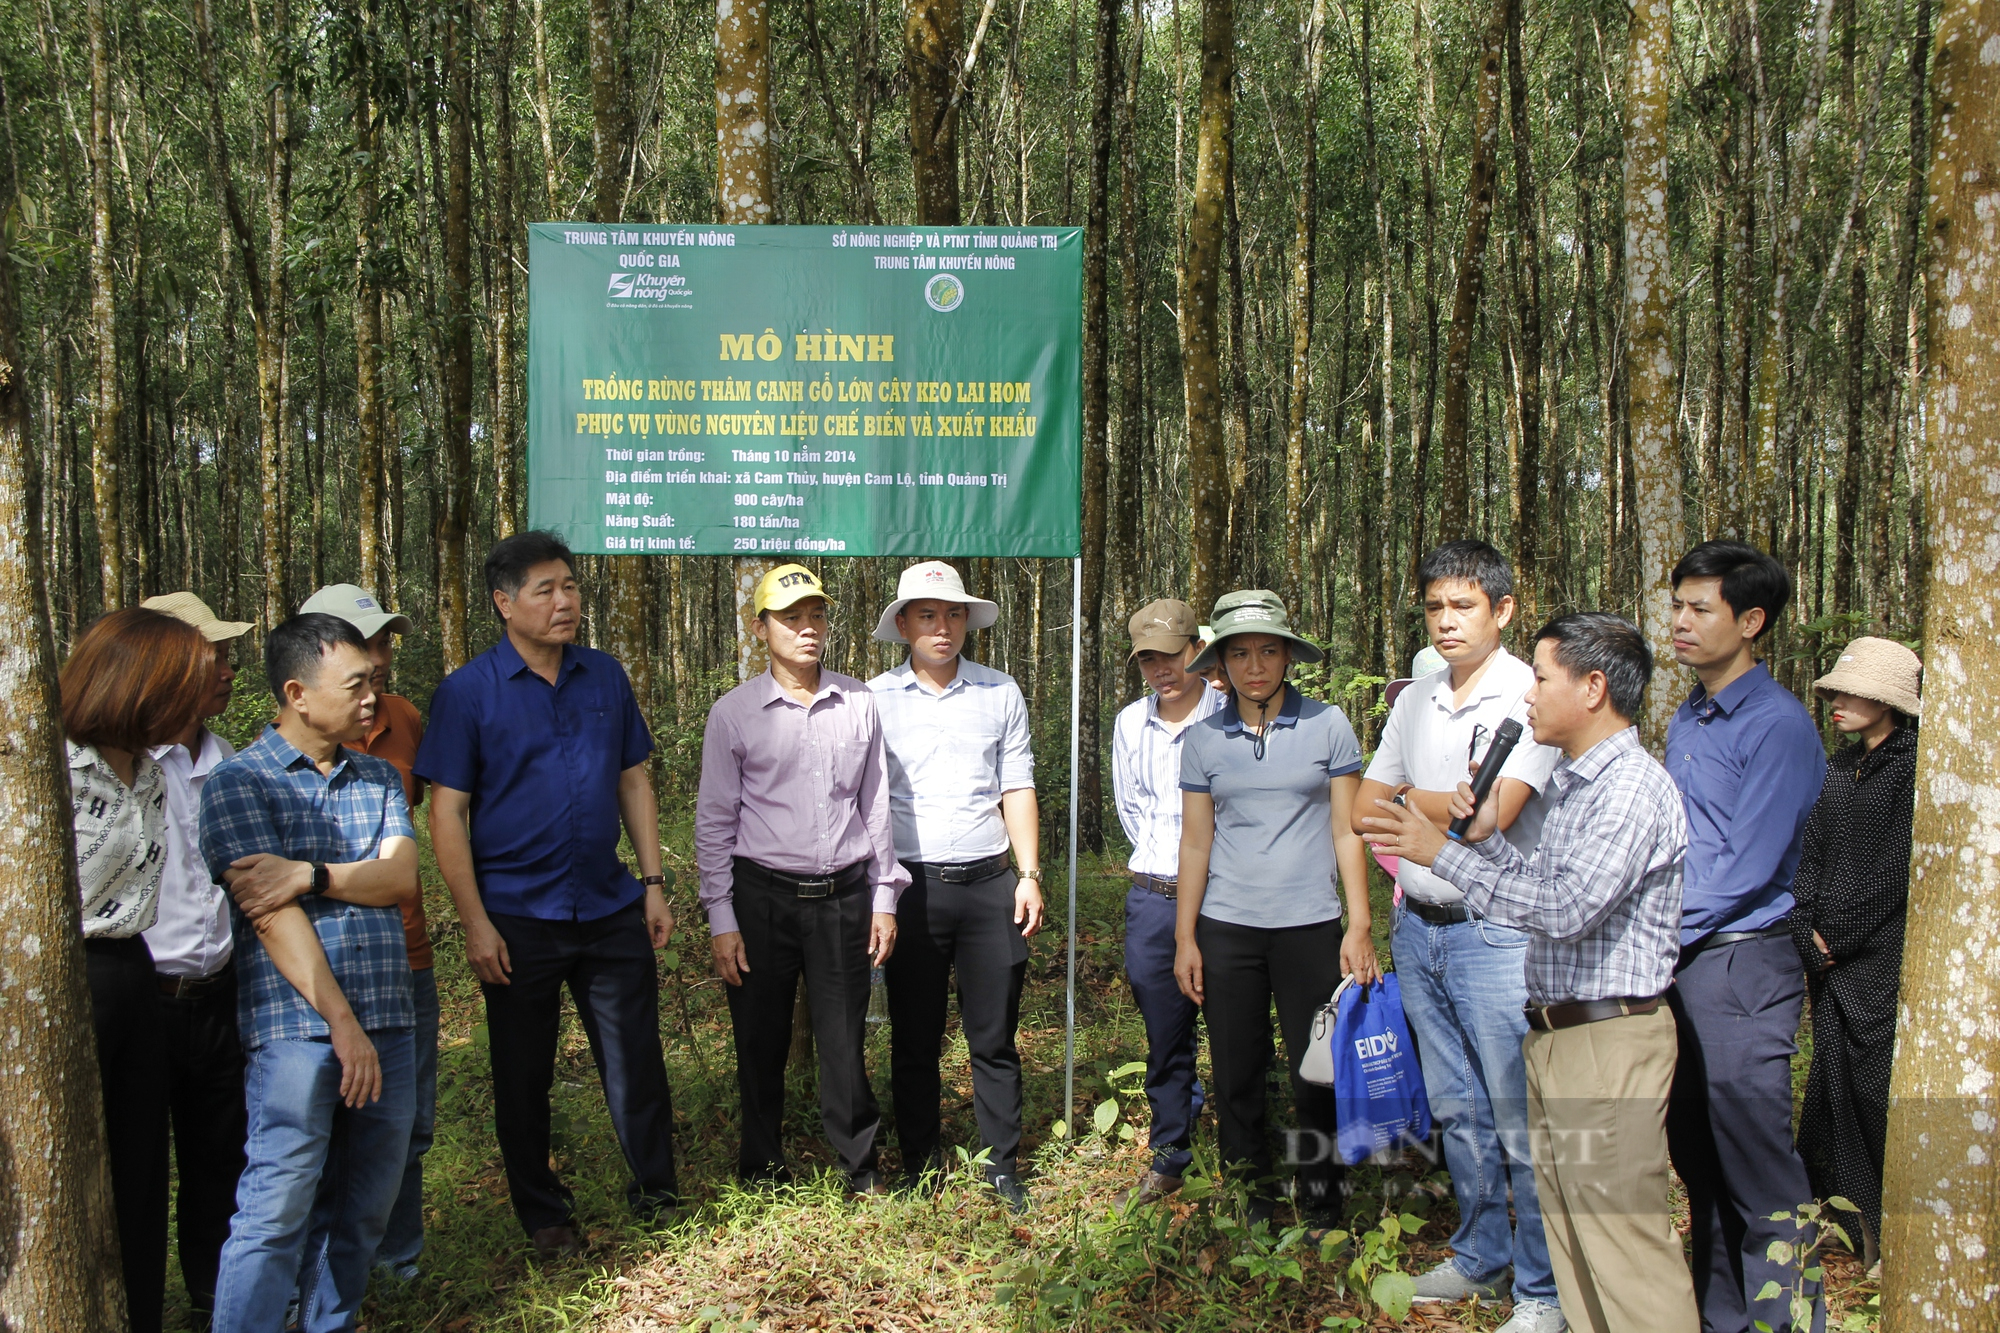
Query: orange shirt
[{"x": 394, "y": 737}]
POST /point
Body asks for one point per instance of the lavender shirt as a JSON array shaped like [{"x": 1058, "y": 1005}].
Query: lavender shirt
[{"x": 800, "y": 788}]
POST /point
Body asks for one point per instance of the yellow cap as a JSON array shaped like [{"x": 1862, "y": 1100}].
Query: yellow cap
[{"x": 783, "y": 586}]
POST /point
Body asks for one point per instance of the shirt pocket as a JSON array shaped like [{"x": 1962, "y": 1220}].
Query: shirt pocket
[{"x": 845, "y": 760}]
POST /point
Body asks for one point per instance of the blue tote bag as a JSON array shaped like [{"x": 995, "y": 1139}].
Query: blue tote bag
[{"x": 1361, "y": 1048}]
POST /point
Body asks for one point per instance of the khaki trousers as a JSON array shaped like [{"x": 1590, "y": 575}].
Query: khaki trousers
[{"x": 1597, "y": 1111}]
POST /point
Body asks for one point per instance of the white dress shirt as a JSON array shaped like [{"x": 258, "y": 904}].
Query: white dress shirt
[
  {"x": 1427, "y": 740},
  {"x": 191, "y": 937},
  {"x": 120, "y": 837},
  {"x": 951, "y": 757},
  {"x": 1146, "y": 778}
]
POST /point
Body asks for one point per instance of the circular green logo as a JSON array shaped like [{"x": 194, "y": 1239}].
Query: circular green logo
[{"x": 944, "y": 293}]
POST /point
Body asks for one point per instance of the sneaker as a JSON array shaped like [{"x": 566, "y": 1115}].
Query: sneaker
[
  {"x": 1447, "y": 1283},
  {"x": 407, "y": 1271},
  {"x": 1535, "y": 1317}
]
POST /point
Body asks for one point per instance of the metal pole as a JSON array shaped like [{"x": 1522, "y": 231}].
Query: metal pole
[{"x": 1075, "y": 739}]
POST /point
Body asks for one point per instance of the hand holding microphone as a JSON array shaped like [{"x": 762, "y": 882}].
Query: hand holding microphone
[{"x": 1505, "y": 737}]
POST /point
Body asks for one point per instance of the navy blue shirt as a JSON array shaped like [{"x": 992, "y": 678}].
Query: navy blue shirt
[
  {"x": 541, "y": 763},
  {"x": 1749, "y": 763}
]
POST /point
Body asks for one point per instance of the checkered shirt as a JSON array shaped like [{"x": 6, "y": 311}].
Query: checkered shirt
[
  {"x": 1601, "y": 896},
  {"x": 272, "y": 798}
]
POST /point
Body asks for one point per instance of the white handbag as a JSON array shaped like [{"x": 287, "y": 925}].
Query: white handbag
[{"x": 1316, "y": 1065}]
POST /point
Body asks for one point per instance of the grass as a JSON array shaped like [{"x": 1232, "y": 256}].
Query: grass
[{"x": 802, "y": 1257}]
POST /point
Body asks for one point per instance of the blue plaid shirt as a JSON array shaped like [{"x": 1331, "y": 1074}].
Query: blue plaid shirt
[{"x": 272, "y": 798}]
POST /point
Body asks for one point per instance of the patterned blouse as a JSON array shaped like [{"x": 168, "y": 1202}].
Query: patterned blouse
[{"x": 121, "y": 841}]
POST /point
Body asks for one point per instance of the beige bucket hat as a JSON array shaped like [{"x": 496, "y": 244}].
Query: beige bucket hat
[
  {"x": 1878, "y": 669},
  {"x": 937, "y": 581}
]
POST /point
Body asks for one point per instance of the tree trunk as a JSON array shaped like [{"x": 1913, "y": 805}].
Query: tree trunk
[
  {"x": 455, "y": 448},
  {"x": 1479, "y": 186},
  {"x": 1305, "y": 236},
  {"x": 1527, "y": 286},
  {"x": 1909, "y": 252},
  {"x": 1096, "y": 420},
  {"x": 544, "y": 114},
  {"x": 368, "y": 413},
  {"x": 57, "y": 1228},
  {"x": 1236, "y": 428},
  {"x": 931, "y": 30},
  {"x": 506, "y": 364},
  {"x": 1130, "y": 473},
  {"x": 1941, "y": 1177},
  {"x": 273, "y": 342},
  {"x": 105, "y": 402},
  {"x": 1200, "y": 363},
  {"x": 1649, "y": 353}
]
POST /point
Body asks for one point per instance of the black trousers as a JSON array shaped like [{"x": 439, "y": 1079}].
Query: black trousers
[
  {"x": 614, "y": 982},
  {"x": 132, "y": 1065},
  {"x": 785, "y": 935},
  {"x": 969, "y": 930},
  {"x": 205, "y": 1099},
  {"x": 1729, "y": 1125},
  {"x": 1245, "y": 969}
]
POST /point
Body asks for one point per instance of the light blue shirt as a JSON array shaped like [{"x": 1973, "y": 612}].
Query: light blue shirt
[
  {"x": 1272, "y": 863},
  {"x": 951, "y": 757}
]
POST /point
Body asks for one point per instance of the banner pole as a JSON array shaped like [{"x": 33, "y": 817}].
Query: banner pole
[{"x": 1075, "y": 736}]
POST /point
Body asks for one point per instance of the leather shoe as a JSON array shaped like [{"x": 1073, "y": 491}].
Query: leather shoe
[
  {"x": 1153, "y": 1186},
  {"x": 553, "y": 1243},
  {"x": 869, "y": 1183},
  {"x": 1010, "y": 1190}
]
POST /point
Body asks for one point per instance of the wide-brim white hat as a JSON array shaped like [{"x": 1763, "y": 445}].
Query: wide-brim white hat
[{"x": 936, "y": 581}]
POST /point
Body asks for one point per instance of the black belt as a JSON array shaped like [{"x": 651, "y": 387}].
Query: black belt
[
  {"x": 1575, "y": 1013},
  {"x": 1722, "y": 937},
  {"x": 1438, "y": 914},
  {"x": 807, "y": 886},
  {"x": 963, "y": 872},
  {"x": 1166, "y": 888},
  {"x": 191, "y": 988}
]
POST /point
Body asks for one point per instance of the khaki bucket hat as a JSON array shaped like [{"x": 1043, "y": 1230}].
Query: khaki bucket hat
[
  {"x": 1253, "y": 611},
  {"x": 1878, "y": 669},
  {"x": 934, "y": 580}
]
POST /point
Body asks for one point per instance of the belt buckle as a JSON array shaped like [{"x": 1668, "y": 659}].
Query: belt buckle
[{"x": 813, "y": 888}]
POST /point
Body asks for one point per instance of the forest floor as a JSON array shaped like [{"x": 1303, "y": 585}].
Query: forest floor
[{"x": 802, "y": 1257}]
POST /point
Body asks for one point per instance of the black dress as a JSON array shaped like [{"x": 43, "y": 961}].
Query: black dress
[{"x": 1853, "y": 887}]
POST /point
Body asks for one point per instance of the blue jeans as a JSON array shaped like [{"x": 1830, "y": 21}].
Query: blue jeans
[
  {"x": 299, "y": 1127},
  {"x": 1171, "y": 1086},
  {"x": 1464, "y": 993},
  {"x": 404, "y": 1240}
]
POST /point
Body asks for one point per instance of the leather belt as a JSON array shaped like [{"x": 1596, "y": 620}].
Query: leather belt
[
  {"x": 810, "y": 886},
  {"x": 1575, "y": 1013},
  {"x": 1438, "y": 914},
  {"x": 188, "y": 988},
  {"x": 1166, "y": 888},
  {"x": 964, "y": 872},
  {"x": 1725, "y": 937}
]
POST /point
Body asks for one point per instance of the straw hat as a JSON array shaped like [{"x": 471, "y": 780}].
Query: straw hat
[
  {"x": 1253, "y": 611},
  {"x": 934, "y": 580},
  {"x": 1878, "y": 669}
]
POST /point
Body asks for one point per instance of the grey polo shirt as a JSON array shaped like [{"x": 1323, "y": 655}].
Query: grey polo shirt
[{"x": 1272, "y": 864}]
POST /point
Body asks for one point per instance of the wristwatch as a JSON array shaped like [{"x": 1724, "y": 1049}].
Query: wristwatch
[
  {"x": 650, "y": 880},
  {"x": 1035, "y": 875},
  {"x": 322, "y": 878}
]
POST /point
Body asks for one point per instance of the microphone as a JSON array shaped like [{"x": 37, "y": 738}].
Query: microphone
[{"x": 1504, "y": 739}]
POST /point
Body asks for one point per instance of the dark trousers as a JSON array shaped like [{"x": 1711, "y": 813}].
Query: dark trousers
[
  {"x": 132, "y": 1065},
  {"x": 1172, "y": 1089},
  {"x": 1729, "y": 1124},
  {"x": 1245, "y": 969},
  {"x": 968, "y": 930},
  {"x": 614, "y": 982},
  {"x": 826, "y": 939},
  {"x": 205, "y": 1096}
]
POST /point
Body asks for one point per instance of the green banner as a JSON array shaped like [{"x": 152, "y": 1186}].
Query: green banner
[{"x": 806, "y": 391}]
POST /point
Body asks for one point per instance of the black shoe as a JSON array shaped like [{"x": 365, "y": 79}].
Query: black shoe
[
  {"x": 1262, "y": 1208},
  {"x": 1010, "y": 1189},
  {"x": 868, "y": 1182},
  {"x": 765, "y": 1177},
  {"x": 925, "y": 1180},
  {"x": 555, "y": 1243}
]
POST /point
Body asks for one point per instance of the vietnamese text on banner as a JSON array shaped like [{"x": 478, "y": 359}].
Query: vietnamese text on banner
[{"x": 806, "y": 390}]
